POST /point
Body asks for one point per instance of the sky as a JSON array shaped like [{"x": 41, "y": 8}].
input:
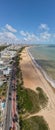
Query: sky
[{"x": 27, "y": 21}]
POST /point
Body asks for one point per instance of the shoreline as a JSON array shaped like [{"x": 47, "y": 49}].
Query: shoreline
[{"x": 36, "y": 65}]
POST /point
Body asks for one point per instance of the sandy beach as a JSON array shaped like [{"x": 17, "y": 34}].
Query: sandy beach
[{"x": 33, "y": 78}]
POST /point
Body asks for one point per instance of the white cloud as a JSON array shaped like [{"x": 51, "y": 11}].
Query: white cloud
[
  {"x": 7, "y": 34},
  {"x": 23, "y": 33},
  {"x": 28, "y": 37},
  {"x": 41, "y": 37},
  {"x": 8, "y": 37},
  {"x": 10, "y": 28},
  {"x": 32, "y": 37},
  {"x": 45, "y": 36},
  {"x": 44, "y": 27}
]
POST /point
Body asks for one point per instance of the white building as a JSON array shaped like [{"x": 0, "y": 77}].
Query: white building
[{"x": 6, "y": 71}]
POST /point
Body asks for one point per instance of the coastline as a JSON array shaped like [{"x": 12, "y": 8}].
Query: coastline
[{"x": 36, "y": 65}]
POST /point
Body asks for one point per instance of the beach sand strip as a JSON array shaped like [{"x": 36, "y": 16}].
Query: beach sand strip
[{"x": 33, "y": 78}]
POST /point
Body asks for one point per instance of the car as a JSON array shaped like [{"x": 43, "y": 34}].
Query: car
[
  {"x": 13, "y": 99},
  {"x": 15, "y": 116},
  {"x": 14, "y": 120},
  {"x": 12, "y": 86},
  {"x": 9, "y": 98},
  {"x": 14, "y": 89},
  {"x": 9, "y": 93},
  {"x": 10, "y": 128}
]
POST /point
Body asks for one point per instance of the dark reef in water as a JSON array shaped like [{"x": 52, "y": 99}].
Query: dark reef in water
[{"x": 52, "y": 45}]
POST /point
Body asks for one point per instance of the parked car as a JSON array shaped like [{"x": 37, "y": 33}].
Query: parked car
[
  {"x": 9, "y": 98},
  {"x": 10, "y": 128},
  {"x": 15, "y": 118},
  {"x": 13, "y": 99},
  {"x": 9, "y": 93}
]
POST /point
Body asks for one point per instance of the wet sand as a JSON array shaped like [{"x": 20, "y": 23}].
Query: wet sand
[{"x": 33, "y": 78}]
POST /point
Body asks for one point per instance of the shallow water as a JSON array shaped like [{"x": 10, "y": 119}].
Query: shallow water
[{"x": 45, "y": 57}]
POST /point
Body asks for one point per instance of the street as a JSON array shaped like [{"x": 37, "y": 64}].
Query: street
[
  {"x": 8, "y": 112},
  {"x": 10, "y": 121}
]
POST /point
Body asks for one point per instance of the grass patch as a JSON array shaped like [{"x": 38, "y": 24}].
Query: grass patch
[
  {"x": 43, "y": 99},
  {"x": 34, "y": 123},
  {"x": 30, "y": 101}
]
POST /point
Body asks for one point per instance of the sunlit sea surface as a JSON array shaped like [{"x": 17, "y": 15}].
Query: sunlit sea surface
[{"x": 45, "y": 57}]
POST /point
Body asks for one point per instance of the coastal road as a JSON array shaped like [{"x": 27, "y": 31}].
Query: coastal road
[
  {"x": 8, "y": 112},
  {"x": 11, "y": 102},
  {"x": 8, "y": 119}
]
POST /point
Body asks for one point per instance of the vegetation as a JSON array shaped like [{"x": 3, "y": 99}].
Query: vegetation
[
  {"x": 43, "y": 99},
  {"x": 34, "y": 123},
  {"x": 30, "y": 101},
  {"x": 11, "y": 62},
  {"x": 3, "y": 90},
  {"x": 2, "y": 47}
]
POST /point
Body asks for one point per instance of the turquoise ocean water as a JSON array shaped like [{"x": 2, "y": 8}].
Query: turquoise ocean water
[{"x": 45, "y": 56}]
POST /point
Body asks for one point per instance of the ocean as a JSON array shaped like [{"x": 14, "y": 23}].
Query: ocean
[{"x": 44, "y": 56}]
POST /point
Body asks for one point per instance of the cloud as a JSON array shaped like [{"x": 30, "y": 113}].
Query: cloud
[
  {"x": 23, "y": 33},
  {"x": 45, "y": 36},
  {"x": 29, "y": 37},
  {"x": 8, "y": 37},
  {"x": 44, "y": 27},
  {"x": 42, "y": 36},
  {"x": 10, "y": 28},
  {"x": 34, "y": 38},
  {"x": 7, "y": 34}
]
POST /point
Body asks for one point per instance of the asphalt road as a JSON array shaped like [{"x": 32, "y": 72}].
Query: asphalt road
[
  {"x": 8, "y": 112},
  {"x": 8, "y": 120},
  {"x": 11, "y": 102}
]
